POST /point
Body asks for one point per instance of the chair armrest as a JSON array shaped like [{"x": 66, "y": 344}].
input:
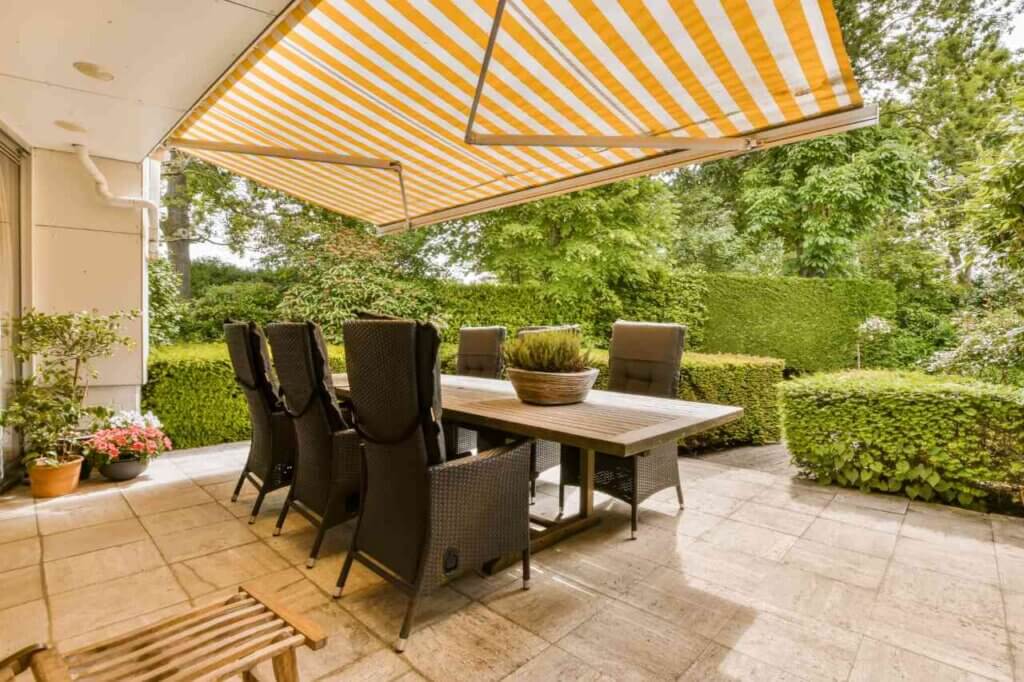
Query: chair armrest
[
  {"x": 479, "y": 510},
  {"x": 347, "y": 461}
]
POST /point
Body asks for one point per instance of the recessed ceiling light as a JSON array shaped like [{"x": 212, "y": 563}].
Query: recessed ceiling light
[
  {"x": 70, "y": 126},
  {"x": 93, "y": 71}
]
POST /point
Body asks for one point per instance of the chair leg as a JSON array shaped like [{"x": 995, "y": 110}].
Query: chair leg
[
  {"x": 561, "y": 498},
  {"x": 403, "y": 635},
  {"x": 679, "y": 494},
  {"x": 345, "y": 568},
  {"x": 284, "y": 513},
  {"x": 632, "y": 520},
  {"x": 238, "y": 486},
  {"x": 256, "y": 505},
  {"x": 526, "y": 568},
  {"x": 314, "y": 553},
  {"x": 533, "y": 490},
  {"x": 286, "y": 667}
]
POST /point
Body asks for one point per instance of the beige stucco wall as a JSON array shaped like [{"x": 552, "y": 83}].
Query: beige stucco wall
[{"x": 85, "y": 255}]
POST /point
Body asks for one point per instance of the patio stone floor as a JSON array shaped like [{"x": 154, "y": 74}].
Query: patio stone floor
[{"x": 762, "y": 577}]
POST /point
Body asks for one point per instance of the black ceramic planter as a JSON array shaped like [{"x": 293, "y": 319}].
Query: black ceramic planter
[{"x": 123, "y": 469}]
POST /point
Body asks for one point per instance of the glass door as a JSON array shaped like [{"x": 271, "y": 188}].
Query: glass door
[{"x": 10, "y": 284}]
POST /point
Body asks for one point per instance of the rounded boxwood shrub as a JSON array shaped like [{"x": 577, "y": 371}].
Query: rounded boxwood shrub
[
  {"x": 952, "y": 439},
  {"x": 192, "y": 389}
]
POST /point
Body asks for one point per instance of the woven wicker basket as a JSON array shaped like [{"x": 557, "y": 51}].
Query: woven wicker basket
[{"x": 552, "y": 388}]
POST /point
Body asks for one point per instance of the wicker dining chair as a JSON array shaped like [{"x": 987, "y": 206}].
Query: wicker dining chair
[
  {"x": 547, "y": 454},
  {"x": 479, "y": 355},
  {"x": 644, "y": 359},
  {"x": 424, "y": 519},
  {"x": 328, "y": 462},
  {"x": 271, "y": 460}
]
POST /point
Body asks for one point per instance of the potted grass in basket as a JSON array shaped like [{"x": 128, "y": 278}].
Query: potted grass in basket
[{"x": 549, "y": 368}]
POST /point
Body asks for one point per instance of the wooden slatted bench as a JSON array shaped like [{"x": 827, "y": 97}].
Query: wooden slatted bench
[{"x": 213, "y": 642}]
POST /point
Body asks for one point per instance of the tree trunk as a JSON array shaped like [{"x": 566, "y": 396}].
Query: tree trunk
[{"x": 176, "y": 228}]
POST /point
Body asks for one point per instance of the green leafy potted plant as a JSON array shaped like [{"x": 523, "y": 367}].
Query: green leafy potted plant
[
  {"x": 549, "y": 368},
  {"x": 122, "y": 450},
  {"x": 48, "y": 406}
]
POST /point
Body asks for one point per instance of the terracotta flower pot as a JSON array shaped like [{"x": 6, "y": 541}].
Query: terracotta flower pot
[
  {"x": 55, "y": 481},
  {"x": 123, "y": 469},
  {"x": 552, "y": 388}
]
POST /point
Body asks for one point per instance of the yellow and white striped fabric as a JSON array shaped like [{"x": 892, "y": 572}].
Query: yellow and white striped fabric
[{"x": 396, "y": 80}]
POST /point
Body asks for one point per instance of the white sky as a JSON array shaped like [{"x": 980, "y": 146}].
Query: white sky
[{"x": 1014, "y": 40}]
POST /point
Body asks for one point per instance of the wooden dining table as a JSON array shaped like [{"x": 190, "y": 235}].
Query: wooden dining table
[{"x": 620, "y": 424}]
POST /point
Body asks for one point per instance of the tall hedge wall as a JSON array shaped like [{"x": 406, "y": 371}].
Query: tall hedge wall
[
  {"x": 810, "y": 323},
  {"x": 192, "y": 389},
  {"x": 929, "y": 437},
  {"x": 673, "y": 298}
]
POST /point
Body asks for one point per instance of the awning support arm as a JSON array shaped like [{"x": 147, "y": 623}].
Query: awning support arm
[
  {"x": 723, "y": 144},
  {"x": 301, "y": 155}
]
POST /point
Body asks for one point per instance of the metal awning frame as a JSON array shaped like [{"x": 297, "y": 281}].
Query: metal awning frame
[
  {"x": 719, "y": 144},
  {"x": 849, "y": 119},
  {"x": 303, "y": 155}
]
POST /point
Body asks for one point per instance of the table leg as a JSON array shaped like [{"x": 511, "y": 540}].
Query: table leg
[
  {"x": 586, "y": 483},
  {"x": 556, "y": 530}
]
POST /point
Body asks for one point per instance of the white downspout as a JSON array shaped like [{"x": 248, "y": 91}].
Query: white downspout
[{"x": 103, "y": 189}]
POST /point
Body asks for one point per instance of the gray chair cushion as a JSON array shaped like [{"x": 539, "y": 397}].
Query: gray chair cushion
[
  {"x": 644, "y": 358},
  {"x": 480, "y": 352}
]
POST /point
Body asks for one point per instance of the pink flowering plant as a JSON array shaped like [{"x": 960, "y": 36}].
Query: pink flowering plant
[{"x": 126, "y": 438}]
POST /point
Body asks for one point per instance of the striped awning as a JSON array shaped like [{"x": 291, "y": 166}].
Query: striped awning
[{"x": 410, "y": 113}]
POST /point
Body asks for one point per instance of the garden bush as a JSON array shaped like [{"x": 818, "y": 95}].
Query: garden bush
[
  {"x": 206, "y": 315},
  {"x": 952, "y": 439},
  {"x": 810, "y": 323},
  {"x": 192, "y": 389}
]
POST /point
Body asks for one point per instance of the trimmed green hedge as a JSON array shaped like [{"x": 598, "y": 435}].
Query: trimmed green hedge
[
  {"x": 192, "y": 389},
  {"x": 674, "y": 298},
  {"x": 810, "y": 323},
  {"x": 930, "y": 437}
]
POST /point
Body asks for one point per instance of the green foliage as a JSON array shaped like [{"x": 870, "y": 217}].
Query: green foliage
[
  {"x": 928, "y": 437},
  {"x": 255, "y": 301},
  {"x": 810, "y": 323},
  {"x": 192, "y": 390},
  {"x": 49, "y": 407},
  {"x": 166, "y": 308},
  {"x": 819, "y": 196},
  {"x": 547, "y": 352},
  {"x": 672, "y": 297},
  {"x": 996, "y": 181},
  {"x": 332, "y": 291},
  {"x": 600, "y": 244},
  {"x": 991, "y": 348},
  {"x": 926, "y": 298},
  {"x": 211, "y": 272},
  {"x": 709, "y": 233}
]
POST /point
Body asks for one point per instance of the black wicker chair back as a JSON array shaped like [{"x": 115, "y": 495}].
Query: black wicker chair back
[
  {"x": 423, "y": 520},
  {"x": 644, "y": 358},
  {"x": 480, "y": 352},
  {"x": 384, "y": 381},
  {"x": 328, "y": 466},
  {"x": 272, "y": 449}
]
